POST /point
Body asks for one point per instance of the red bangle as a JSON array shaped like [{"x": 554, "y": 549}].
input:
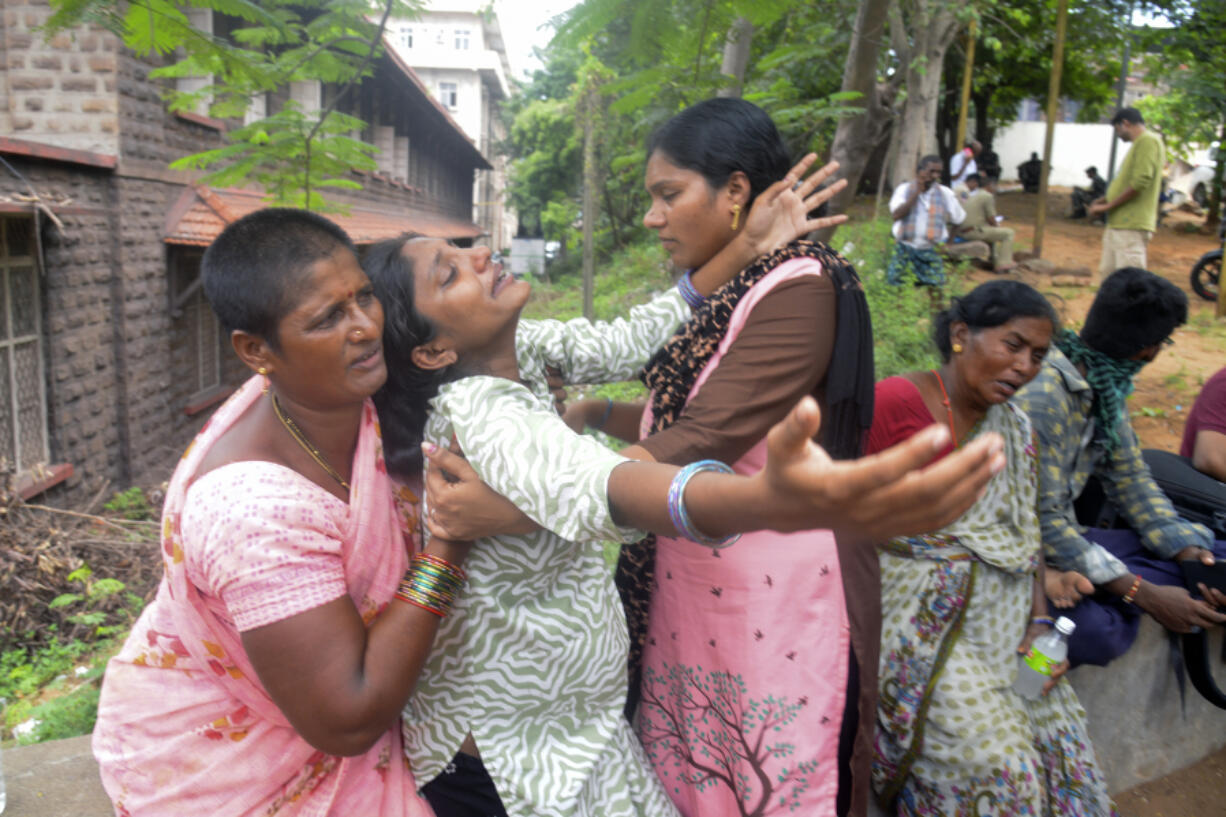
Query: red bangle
[{"x": 1132, "y": 591}]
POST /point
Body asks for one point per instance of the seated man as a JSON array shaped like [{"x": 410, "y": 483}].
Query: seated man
[
  {"x": 962, "y": 165},
  {"x": 923, "y": 210},
  {"x": 980, "y": 223},
  {"x": 1029, "y": 172},
  {"x": 1204, "y": 435},
  {"x": 1082, "y": 196},
  {"x": 1076, "y": 405}
]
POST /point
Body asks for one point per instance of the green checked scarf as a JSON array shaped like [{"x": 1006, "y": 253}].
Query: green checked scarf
[{"x": 1111, "y": 379}]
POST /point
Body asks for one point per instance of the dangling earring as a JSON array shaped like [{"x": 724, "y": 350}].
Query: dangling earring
[
  {"x": 262, "y": 372},
  {"x": 957, "y": 347},
  {"x": 736, "y": 216}
]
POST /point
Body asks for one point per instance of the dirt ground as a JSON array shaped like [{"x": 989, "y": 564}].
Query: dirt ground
[{"x": 1165, "y": 391}]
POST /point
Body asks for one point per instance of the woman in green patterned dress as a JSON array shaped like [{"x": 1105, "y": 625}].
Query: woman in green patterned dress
[{"x": 952, "y": 735}]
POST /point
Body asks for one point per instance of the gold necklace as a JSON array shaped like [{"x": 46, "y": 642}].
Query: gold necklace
[{"x": 301, "y": 439}]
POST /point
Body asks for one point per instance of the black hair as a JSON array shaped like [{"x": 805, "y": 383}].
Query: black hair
[
  {"x": 717, "y": 137},
  {"x": 930, "y": 159},
  {"x": 973, "y": 177},
  {"x": 1133, "y": 310},
  {"x": 404, "y": 400},
  {"x": 252, "y": 270},
  {"x": 1130, "y": 115},
  {"x": 994, "y": 303},
  {"x": 1091, "y": 170}
]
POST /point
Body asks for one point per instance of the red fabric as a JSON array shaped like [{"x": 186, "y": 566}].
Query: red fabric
[
  {"x": 1208, "y": 412},
  {"x": 898, "y": 413}
]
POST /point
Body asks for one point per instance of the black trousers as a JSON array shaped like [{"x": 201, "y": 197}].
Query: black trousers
[{"x": 464, "y": 789}]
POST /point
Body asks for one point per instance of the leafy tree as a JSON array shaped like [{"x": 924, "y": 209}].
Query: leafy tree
[
  {"x": 292, "y": 153},
  {"x": 1193, "y": 63}
]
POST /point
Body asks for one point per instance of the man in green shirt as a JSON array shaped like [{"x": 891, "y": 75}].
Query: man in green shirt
[
  {"x": 1131, "y": 203},
  {"x": 981, "y": 221}
]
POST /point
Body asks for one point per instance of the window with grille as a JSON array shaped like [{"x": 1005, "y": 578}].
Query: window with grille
[
  {"x": 196, "y": 352},
  {"x": 448, "y": 94},
  {"x": 406, "y": 37},
  {"x": 23, "y": 409},
  {"x": 461, "y": 39}
]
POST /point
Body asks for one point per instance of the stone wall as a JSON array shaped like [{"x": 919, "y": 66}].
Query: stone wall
[{"x": 60, "y": 92}]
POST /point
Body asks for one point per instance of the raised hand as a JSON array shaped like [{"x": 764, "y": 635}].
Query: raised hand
[{"x": 780, "y": 213}]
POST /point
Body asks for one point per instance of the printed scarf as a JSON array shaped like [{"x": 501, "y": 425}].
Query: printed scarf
[
  {"x": 1111, "y": 380},
  {"x": 847, "y": 412},
  {"x": 936, "y": 218}
]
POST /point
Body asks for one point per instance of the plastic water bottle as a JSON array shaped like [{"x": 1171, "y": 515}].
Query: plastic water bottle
[{"x": 1034, "y": 668}]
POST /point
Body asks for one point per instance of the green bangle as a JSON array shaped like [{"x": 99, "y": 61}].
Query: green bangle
[{"x": 604, "y": 418}]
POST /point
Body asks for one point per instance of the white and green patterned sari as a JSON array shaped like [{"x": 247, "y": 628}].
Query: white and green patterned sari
[
  {"x": 532, "y": 658},
  {"x": 952, "y": 736}
]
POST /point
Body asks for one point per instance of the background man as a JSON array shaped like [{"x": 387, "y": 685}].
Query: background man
[
  {"x": 1082, "y": 196},
  {"x": 1028, "y": 173},
  {"x": 980, "y": 223},
  {"x": 962, "y": 164},
  {"x": 922, "y": 210},
  {"x": 1131, "y": 202}
]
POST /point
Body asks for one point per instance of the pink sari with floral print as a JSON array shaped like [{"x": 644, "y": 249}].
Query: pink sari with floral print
[
  {"x": 746, "y": 662},
  {"x": 184, "y": 725}
]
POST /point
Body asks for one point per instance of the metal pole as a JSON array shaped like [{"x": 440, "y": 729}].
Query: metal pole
[
  {"x": 966, "y": 84},
  {"x": 1119, "y": 93},
  {"x": 1053, "y": 108}
]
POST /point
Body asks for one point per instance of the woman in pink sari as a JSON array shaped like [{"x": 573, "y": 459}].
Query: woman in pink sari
[{"x": 268, "y": 675}]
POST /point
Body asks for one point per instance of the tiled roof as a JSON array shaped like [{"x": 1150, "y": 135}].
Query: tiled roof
[{"x": 202, "y": 213}]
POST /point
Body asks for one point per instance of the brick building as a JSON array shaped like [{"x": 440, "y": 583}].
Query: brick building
[{"x": 110, "y": 358}]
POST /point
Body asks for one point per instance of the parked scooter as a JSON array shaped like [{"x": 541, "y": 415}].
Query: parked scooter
[{"x": 1208, "y": 270}]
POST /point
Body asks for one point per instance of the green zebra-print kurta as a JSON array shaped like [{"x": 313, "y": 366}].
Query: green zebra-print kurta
[{"x": 532, "y": 658}]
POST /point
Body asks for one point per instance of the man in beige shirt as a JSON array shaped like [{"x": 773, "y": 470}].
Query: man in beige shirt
[
  {"x": 1131, "y": 203},
  {"x": 980, "y": 223}
]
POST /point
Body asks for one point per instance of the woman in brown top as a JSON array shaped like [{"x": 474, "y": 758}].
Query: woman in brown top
[{"x": 793, "y": 323}]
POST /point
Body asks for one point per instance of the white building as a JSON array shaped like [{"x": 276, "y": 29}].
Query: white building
[{"x": 456, "y": 48}]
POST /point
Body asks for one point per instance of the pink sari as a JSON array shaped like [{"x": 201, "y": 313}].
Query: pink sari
[
  {"x": 184, "y": 725},
  {"x": 745, "y": 665}
]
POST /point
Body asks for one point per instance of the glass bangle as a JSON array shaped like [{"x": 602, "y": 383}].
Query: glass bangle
[{"x": 679, "y": 514}]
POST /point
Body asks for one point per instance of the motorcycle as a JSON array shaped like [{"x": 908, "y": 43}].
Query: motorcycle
[{"x": 1208, "y": 270}]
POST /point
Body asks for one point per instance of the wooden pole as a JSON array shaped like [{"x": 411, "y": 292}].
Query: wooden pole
[
  {"x": 1053, "y": 109},
  {"x": 967, "y": 69},
  {"x": 589, "y": 199}
]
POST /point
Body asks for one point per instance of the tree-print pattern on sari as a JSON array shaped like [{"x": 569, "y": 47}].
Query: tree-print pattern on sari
[
  {"x": 705, "y": 725},
  {"x": 953, "y": 738}
]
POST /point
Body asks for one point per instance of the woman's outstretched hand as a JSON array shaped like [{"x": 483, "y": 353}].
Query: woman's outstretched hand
[
  {"x": 893, "y": 493},
  {"x": 780, "y": 213}
]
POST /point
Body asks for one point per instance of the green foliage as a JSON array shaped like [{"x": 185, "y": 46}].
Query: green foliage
[
  {"x": 56, "y": 686},
  {"x": 902, "y": 327},
  {"x": 130, "y": 504},
  {"x": 292, "y": 154}
]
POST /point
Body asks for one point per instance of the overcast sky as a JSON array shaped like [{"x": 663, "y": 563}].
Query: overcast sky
[{"x": 521, "y": 22}]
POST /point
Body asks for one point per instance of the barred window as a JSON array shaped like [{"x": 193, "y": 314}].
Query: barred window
[
  {"x": 197, "y": 335},
  {"x": 23, "y": 405}
]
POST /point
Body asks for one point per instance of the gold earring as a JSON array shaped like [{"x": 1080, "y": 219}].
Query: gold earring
[
  {"x": 957, "y": 348},
  {"x": 736, "y": 215},
  {"x": 262, "y": 372}
]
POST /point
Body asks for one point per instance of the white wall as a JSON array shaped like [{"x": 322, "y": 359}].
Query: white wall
[{"x": 1075, "y": 147}]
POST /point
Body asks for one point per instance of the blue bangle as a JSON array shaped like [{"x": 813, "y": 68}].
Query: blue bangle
[
  {"x": 1048, "y": 620},
  {"x": 676, "y": 505},
  {"x": 688, "y": 292},
  {"x": 608, "y": 409}
]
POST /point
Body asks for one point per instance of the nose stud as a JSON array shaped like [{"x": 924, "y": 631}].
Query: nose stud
[{"x": 358, "y": 334}]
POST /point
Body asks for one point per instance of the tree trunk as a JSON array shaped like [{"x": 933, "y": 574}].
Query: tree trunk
[
  {"x": 736, "y": 56},
  {"x": 857, "y": 136},
  {"x": 931, "y": 32}
]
